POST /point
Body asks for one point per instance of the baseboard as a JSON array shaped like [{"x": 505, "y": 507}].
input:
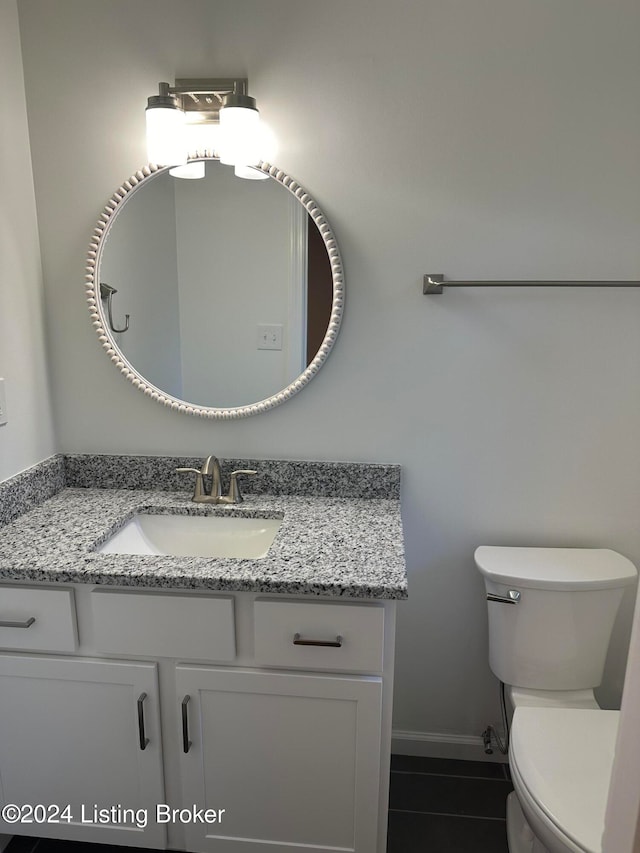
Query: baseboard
[{"x": 438, "y": 745}]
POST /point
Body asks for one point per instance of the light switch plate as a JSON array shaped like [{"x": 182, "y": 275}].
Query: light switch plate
[{"x": 3, "y": 403}]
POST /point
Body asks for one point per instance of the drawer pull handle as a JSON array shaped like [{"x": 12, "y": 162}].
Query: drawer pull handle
[
  {"x": 5, "y": 623},
  {"x": 186, "y": 743},
  {"x": 334, "y": 644},
  {"x": 143, "y": 740}
]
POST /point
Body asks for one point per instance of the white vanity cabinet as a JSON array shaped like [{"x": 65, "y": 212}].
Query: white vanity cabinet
[
  {"x": 83, "y": 734},
  {"x": 293, "y": 758},
  {"x": 272, "y": 713}
]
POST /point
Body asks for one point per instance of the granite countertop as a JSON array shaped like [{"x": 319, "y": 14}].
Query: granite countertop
[{"x": 326, "y": 546}]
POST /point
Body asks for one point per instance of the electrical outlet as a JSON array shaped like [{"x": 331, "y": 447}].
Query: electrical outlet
[
  {"x": 3, "y": 404},
  {"x": 269, "y": 336}
]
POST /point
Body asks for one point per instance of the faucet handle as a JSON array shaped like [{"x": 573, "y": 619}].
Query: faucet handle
[
  {"x": 235, "y": 496},
  {"x": 198, "y": 492}
]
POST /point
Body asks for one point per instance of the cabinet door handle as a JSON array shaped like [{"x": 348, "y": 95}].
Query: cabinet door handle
[
  {"x": 186, "y": 743},
  {"x": 143, "y": 740},
  {"x": 334, "y": 644},
  {"x": 6, "y": 623}
]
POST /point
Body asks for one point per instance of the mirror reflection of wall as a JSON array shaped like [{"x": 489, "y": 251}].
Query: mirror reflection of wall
[
  {"x": 202, "y": 266},
  {"x": 143, "y": 269}
]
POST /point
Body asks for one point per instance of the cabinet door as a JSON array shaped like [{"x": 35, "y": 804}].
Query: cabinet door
[
  {"x": 294, "y": 760},
  {"x": 70, "y": 735}
]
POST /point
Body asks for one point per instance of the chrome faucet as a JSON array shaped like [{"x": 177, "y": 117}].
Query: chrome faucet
[{"x": 211, "y": 467}]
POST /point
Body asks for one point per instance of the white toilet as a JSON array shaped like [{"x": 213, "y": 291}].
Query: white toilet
[{"x": 551, "y": 613}]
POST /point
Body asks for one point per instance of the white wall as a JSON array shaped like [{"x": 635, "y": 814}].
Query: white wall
[
  {"x": 27, "y": 438},
  {"x": 481, "y": 140}
]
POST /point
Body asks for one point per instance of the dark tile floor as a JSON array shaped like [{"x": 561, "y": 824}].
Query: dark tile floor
[
  {"x": 442, "y": 806},
  {"x": 435, "y": 806}
]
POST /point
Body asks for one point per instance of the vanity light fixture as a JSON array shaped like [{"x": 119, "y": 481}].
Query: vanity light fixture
[{"x": 209, "y": 117}]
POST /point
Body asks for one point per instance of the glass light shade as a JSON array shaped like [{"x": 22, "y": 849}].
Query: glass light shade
[
  {"x": 250, "y": 173},
  {"x": 166, "y": 144},
  {"x": 240, "y": 136},
  {"x": 192, "y": 171}
]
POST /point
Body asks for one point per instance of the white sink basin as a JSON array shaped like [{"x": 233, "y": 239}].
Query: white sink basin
[{"x": 194, "y": 536}]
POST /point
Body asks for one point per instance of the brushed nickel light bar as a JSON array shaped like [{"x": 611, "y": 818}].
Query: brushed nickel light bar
[
  {"x": 435, "y": 283},
  {"x": 206, "y": 96}
]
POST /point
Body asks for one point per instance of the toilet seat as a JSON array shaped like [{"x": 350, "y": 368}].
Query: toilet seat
[{"x": 561, "y": 760}]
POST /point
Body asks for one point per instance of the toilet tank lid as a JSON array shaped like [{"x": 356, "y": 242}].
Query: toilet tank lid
[{"x": 555, "y": 568}]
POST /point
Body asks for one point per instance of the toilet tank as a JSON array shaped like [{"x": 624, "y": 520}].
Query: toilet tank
[{"x": 557, "y": 634}]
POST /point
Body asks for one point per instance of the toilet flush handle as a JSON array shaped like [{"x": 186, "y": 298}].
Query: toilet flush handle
[{"x": 512, "y": 597}]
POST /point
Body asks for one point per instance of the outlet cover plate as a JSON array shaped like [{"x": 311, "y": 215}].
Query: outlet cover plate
[{"x": 270, "y": 336}]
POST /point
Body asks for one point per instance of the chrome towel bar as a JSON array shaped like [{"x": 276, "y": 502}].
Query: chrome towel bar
[{"x": 435, "y": 283}]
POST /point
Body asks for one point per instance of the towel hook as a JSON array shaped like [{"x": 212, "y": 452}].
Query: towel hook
[{"x": 106, "y": 292}]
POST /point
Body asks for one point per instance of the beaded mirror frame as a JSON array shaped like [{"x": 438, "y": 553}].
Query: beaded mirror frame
[{"x": 94, "y": 255}]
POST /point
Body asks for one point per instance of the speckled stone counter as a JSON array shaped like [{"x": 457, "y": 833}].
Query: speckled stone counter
[
  {"x": 326, "y": 546},
  {"x": 273, "y": 477},
  {"x": 29, "y": 488}
]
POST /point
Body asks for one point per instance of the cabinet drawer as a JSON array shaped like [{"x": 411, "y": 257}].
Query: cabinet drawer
[
  {"x": 284, "y": 629},
  {"x": 41, "y": 620},
  {"x": 198, "y": 627}
]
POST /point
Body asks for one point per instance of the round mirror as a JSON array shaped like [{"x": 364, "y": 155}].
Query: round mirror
[{"x": 219, "y": 297}]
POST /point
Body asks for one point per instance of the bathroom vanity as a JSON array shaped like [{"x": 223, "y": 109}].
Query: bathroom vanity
[{"x": 202, "y": 704}]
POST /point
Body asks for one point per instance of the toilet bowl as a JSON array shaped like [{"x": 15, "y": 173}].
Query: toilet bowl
[
  {"x": 518, "y": 697},
  {"x": 561, "y": 760},
  {"x": 551, "y": 614}
]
